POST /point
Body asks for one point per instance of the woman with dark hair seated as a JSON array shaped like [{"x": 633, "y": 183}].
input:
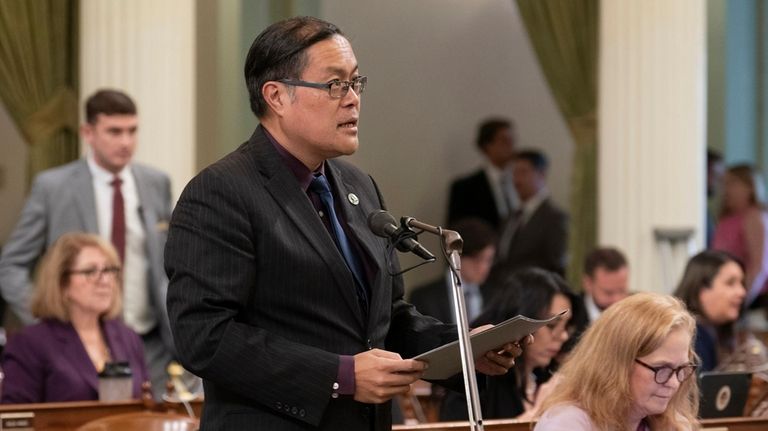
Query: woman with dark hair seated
[
  {"x": 537, "y": 294},
  {"x": 713, "y": 289},
  {"x": 78, "y": 298}
]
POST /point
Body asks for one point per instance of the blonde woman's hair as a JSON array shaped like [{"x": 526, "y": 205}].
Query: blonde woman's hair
[
  {"x": 49, "y": 301},
  {"x": 596, "y": 376}
]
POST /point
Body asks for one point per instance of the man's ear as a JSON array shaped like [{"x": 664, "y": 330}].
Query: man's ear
[
  {"x": 276, "y": 96},
  {"x": 86, "y": 131}
]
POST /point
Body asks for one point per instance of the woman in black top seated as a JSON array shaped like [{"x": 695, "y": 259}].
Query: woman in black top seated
[
  {"x": 713, "y": 289},
  {"x": 538, "y": 294}
]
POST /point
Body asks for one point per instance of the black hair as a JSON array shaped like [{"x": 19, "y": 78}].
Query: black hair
[
  {"x": 536, "y": 158},
  {"x": 700, "y": 272},
  {"x": 476, "y": 233},
  {"x": 108, "y": 102},
  {"x": 488, "y": 129},
  {"x": 280, "y": 52},
  {"x": 609, "y": 258}
]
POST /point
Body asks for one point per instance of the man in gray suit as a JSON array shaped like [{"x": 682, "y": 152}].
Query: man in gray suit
[
  {"x": 280, "y": 296},
  {"x": 104, "y": 193}
]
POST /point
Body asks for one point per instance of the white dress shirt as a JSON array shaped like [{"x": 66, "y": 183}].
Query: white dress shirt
[
  {"x": 503, "y": 190},
  {"x": 473, "y": 299},
  {"x": 137, "y": 313}
]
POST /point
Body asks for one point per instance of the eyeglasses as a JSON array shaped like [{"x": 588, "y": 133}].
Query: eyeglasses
[
  {"x": 93, "y": 274},
  {"x": 662, "y": 374},
  {"x": 336, "y": 88}
]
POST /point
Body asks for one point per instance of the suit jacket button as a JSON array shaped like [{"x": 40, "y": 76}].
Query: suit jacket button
[
  {"x": 368, "y": 342},
  {"x": 302, "y": 413},
  {"x": 287, "y": 408},
  {"x": 279, "y": 405},
  {"x": 295, "y": 411}
]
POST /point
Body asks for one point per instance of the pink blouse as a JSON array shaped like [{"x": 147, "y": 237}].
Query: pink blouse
[{"x": 730, "y": 237}]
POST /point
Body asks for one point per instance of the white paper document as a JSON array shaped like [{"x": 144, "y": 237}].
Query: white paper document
[{"x": 445, "y": 361}]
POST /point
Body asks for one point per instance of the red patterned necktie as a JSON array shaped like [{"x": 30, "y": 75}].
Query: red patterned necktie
[{"x": 118, "y": 218}]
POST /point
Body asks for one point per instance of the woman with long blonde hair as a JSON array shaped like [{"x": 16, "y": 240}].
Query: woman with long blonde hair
[{"x": 630, "y": 371}]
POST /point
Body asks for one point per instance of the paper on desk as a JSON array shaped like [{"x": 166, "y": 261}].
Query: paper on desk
[{"x": 445, "y": 361}]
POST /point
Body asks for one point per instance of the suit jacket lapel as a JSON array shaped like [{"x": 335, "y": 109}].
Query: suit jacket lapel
[
  {"x": 73, "y": 351},
  {"x": 357, "y": 220},
  {"x": 284, "y": 188},
  {"x": 149, "y": 221},
  {"x": 114, "y": 341},
  {"x": 82, "y": 184}
]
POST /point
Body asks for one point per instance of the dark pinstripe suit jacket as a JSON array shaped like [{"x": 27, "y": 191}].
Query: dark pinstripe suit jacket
[{"x": 261, "y": 303}]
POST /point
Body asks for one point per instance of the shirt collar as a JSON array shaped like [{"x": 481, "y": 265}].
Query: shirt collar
[
  {"x": 102, "y": 175},
  {"x": 592, "y": 309},
  {"x": 532, "y": 204},
  {"x": 493, "y": 172},
  {"x": 302, "y": 173}
]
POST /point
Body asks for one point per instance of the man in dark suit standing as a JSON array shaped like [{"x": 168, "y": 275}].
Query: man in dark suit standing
[
  {"x": 487, "y": 193},
  {"x": 436, "y": 298},
  {"x": 279, "y": 296},
  {"x": 537, "y": 233}
]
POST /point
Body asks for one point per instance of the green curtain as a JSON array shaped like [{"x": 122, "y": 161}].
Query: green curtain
[
  {"x": 564, "y": 35},
  {"x": 38, "y": 77}
]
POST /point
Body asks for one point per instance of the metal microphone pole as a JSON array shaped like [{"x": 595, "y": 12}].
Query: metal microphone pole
[{"x": 452, "y": 245}]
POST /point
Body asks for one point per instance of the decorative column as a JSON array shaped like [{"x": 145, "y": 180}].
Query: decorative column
[
  {"x": 652, "y": 111},
  {"x": 147, "y": 49}
]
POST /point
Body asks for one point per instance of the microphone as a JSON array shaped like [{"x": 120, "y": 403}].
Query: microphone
[{"x": 384, "y": 225}]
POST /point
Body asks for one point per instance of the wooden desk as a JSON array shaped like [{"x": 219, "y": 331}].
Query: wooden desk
[
  {"x": 732, "y": 424},
  {"x": 71, "y": 415}
]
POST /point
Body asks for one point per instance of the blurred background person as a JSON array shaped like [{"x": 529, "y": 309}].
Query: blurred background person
[
  {"x": 741, "y": 228},
  {"x": 715, "y": 172},
  {"x": 436, "y": 298},
  {"x": 77, "y": 299},
  {"x": 630, "y": 371},
  {"x": 537, "y": 233},
  {"x": 605, "y": 280},
  {"x": 107, "y": 193},
  {"x": 537, "y": 294},
  {"x": 712, "y": 287},
  {"x": 487, "y": 193}
]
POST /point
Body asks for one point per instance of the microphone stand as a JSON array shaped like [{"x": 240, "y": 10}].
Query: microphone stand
[{"x": 452, "y": 246}]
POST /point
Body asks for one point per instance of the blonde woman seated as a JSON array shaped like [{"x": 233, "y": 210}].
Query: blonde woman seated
[
  {"x": 630, "y": 371},
  {"x": 77, "y": 298}
]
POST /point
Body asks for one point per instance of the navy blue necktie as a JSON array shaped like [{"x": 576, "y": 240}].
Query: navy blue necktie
[{"x": 321, "y": 187}]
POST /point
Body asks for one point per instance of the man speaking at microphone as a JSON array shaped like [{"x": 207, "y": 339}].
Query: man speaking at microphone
[{"x": 279, "y": 295}]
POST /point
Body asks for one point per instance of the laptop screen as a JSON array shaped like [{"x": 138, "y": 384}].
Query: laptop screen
[{"x": 723, "y": 394}]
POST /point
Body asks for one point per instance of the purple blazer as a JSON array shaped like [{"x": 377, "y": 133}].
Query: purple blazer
[{"x": 47, "y": 362}]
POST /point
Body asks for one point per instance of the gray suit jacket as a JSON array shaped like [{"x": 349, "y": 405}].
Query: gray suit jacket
[
  {"x": 262, "y": 303},
  {"x": 62, "y": 200}
]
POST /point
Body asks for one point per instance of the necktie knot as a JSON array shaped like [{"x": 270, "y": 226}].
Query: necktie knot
[
  {"x": 116, "y": 182},
  {"x": 320, "y": 185}
]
